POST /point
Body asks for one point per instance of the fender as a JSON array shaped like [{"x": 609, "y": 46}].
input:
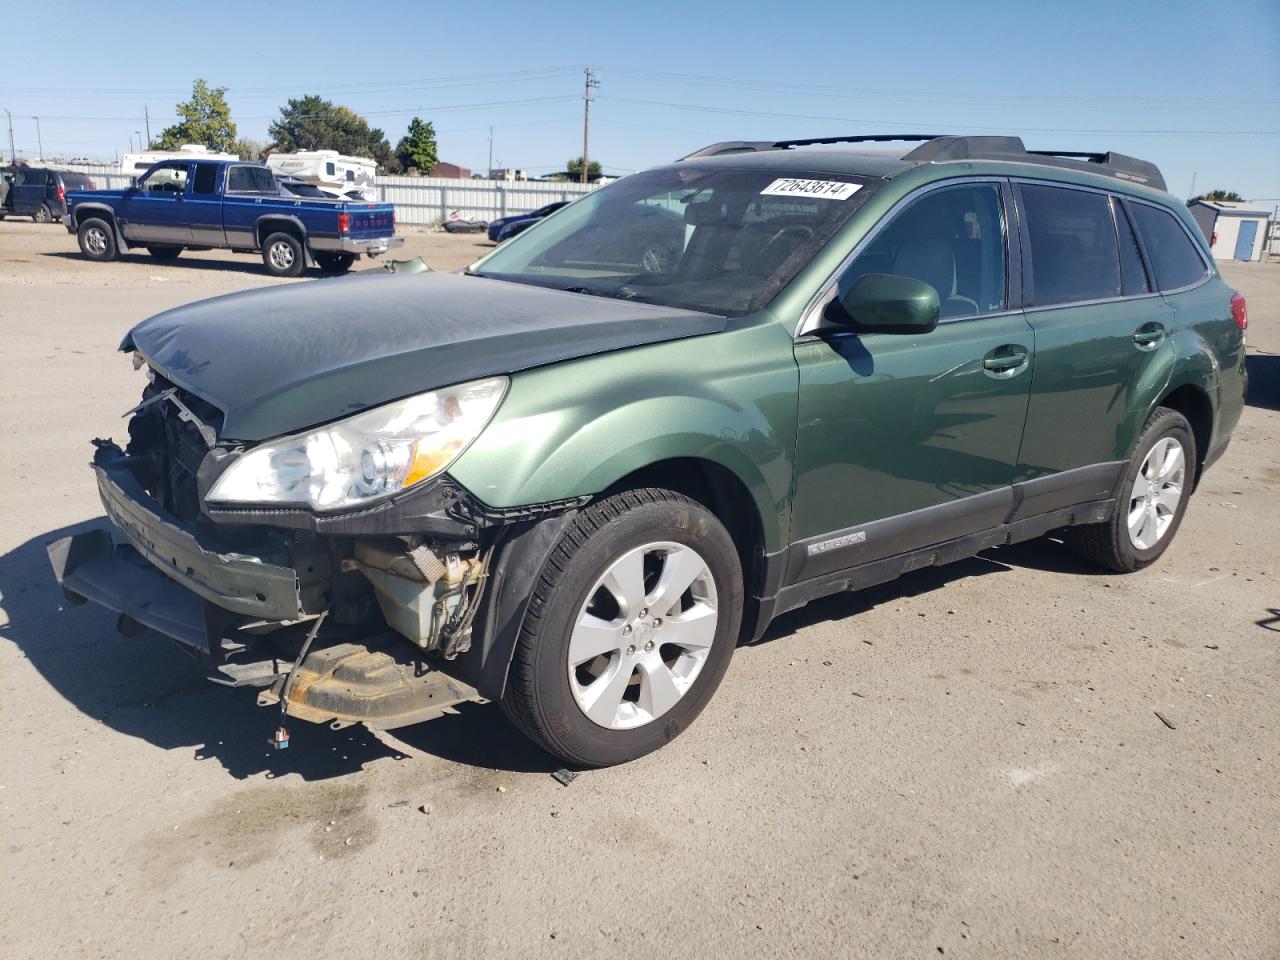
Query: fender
[
  {"x": 108, "y": 214},
  {"x": 577, "y": 428},
  {"x": 1185, "y": 361}
]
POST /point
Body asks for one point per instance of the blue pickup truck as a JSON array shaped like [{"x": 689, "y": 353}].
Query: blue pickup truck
[{"x": 201, "y": 204}]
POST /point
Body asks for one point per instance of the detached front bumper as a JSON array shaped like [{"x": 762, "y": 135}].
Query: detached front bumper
[{"x": 166, "y": 576}]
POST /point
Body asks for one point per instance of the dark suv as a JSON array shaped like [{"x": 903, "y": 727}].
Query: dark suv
[
  {"x": 39, "y": 193},
  {"x": 575, "y": 477}
]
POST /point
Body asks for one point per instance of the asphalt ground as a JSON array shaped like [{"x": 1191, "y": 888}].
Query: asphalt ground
[{"x": 967, "y": 761}]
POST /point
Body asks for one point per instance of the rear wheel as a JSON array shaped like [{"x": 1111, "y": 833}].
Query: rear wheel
[
  {"x": 43, "y": 215},
  {"x": 164, "y": 253},
  {"x": 335, "y": 262},
  {"x": 629, "y": 631},
  {"x": 1153, "y": 498},
  {"x": 97, "y": 239},
  {"x": 282, "y": 255}
]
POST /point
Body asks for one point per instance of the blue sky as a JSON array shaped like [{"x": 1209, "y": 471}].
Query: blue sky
[{"x": 1194, "y": 87}]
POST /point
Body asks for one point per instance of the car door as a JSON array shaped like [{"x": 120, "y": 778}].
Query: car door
[
  {"x": 203, "y": 206},
  {"x": 906, "y": 440},
  {"x": 154, "y": 211},
  {"x": 1098, "y": 324},
  {"x": 29, "y": 189}
]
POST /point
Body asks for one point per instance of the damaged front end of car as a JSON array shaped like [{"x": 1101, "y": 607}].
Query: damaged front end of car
[{"x": 342, "y": 571}]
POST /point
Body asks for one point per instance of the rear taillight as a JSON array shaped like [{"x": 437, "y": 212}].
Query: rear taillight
[
  {"x": 344, "y": 222},
  {"x": 1238, "y": 311},
  {"x": 62, "y": 193},
  {"x": 1213, "y": 240}
]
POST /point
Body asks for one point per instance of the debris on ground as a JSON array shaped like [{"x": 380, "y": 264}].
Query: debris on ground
[
  {"x": 564, "y": 776},
  {"x": 1165, "y": 720}
]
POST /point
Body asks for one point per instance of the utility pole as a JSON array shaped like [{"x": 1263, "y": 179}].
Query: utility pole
[
  {"x": 590, "y": 83},
  {"x": 489, "y": 173},
  {"x": 39, "y": 140},
  {"x": 1193, "y": 184},
  {"x": 13, "y": 156},
  {"x": 146, "y": 115}
]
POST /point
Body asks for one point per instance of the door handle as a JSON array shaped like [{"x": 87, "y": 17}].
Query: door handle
[
  {"x": 1148, "y": 336},
  {"x": 1005, "y": 360}
]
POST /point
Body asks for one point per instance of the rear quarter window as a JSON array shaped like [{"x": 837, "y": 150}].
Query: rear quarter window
[
  {"x": 1175, "y": 260},
  {"x": 1074, "y": 254}
]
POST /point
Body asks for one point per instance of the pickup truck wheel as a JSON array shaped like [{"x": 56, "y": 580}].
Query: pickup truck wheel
[
  {"x": 629, "y": 630},
  {"x": 43, "y": 215},
  {"x": 97, "y": 239},
  {"x": 335, "y": 262},
  {"x": 164, "y": 253},
  {"x": 282, "y": 255},
  {"x": 1152, "y": 501}
]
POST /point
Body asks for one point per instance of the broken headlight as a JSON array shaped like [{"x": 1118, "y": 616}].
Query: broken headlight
[{"x": 370, "y": 455}]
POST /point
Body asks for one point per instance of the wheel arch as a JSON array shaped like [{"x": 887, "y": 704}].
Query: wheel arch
[
  {"x": 271, "y": 223},
  {"x": 1193, "y": 402}
]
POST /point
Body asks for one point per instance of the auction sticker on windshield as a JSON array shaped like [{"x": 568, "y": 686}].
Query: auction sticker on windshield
[{"x": 826, "y": 189}]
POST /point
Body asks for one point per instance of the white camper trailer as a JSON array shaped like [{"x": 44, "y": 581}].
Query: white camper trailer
[
  {"x": 329, "y": 170},
  {"x": 136, "y": 164}
]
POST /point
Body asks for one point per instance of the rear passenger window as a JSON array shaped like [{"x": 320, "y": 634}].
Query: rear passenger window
[
  {"x": 1175, "y": 261},
  {"x": 1132, "y": 275},
  {"x": 206, "y": 178},
  {"x": 952, "y": 238},
  {"x": 251, "y": 180},
  {"x": 1074, "y": 256}
]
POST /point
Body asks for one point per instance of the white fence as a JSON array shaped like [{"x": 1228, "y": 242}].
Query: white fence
[{"x": 420, "y": 201}]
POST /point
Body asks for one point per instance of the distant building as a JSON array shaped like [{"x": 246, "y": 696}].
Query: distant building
[
  {"x": 504, "y": 173},
  {"x": 450, "y": 170},
  {"x": 1235, "y": 231}
]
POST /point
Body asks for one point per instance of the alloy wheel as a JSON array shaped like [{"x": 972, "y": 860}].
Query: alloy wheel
[
  {"x": 643, "y": 635},
  {"x": 1157, "y": 491},
  {"x": 281, "y": 256},
  {"x": 95, "y": 240}
]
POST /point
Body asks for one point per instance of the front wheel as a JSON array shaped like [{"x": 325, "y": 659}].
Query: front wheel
[
  {"x": 629, "y": 631},
  {"x": 1153, "y": 498},
  {"x": 282, "y": 255},
  {"x": 335, "y": 262},
  {"x": 97, "y": 239}
]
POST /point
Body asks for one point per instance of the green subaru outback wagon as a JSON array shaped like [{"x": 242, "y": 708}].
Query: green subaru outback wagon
[{"x": 576, "y": 476}]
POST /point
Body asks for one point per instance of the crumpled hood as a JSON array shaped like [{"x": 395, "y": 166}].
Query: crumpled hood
[{"x": 279, "y": 359}]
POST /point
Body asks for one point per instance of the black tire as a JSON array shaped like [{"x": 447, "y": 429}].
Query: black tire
[
  {"x": 335, "y": 262},
  {"x": 277, "y": 261},
  {"x": 97, "y": 239},
  {"x": 164, "y": 253},
  {"x": 1109, "y": 544},
  {"x": 538, "y": 698},
  {"x": 43, "y": 215}
]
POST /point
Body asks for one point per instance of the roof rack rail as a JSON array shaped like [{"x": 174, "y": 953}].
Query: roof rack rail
[
  {"x": 938, "y": 148},
  {"x": 1011, "y": 148},
  {"x": 756, "y": 146}
]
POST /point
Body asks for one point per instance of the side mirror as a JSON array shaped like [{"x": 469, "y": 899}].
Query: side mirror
[{"x": 886, "y": 303}]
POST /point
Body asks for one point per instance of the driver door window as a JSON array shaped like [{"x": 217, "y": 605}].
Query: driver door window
[
  {"x": 952, "y": 239},
  {"x": 167, "y": 181}
]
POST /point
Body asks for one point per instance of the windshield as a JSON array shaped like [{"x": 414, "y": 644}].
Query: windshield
[{"x": 723, "y": 241}]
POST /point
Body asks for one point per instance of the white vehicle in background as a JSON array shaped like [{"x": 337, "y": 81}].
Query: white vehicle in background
[
  {"x": 350, "y": 178},
  {"x": 136, "y": 164}
]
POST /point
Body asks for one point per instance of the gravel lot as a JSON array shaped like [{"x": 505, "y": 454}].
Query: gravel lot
[{"x": 968, "y": 760}]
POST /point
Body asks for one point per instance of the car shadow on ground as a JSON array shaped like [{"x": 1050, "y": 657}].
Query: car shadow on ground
[
  {"x": 252, "y": 263},
  {"x": 1264, "y": 380},
  {"x": 148, "y": 688}
]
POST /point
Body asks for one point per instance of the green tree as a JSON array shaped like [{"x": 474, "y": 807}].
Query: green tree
[
  {"x": 247, "y": 149},
  {"x": 574, "y": 169},
  {"x": 417, "y": 148},
  {"x": 205, "y": 119},
  {"x": 1214, "y": 196},
  {"x": 313, "y": 123}
]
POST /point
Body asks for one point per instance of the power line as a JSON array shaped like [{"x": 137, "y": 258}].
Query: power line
[{"x": 730, "y": 111}]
